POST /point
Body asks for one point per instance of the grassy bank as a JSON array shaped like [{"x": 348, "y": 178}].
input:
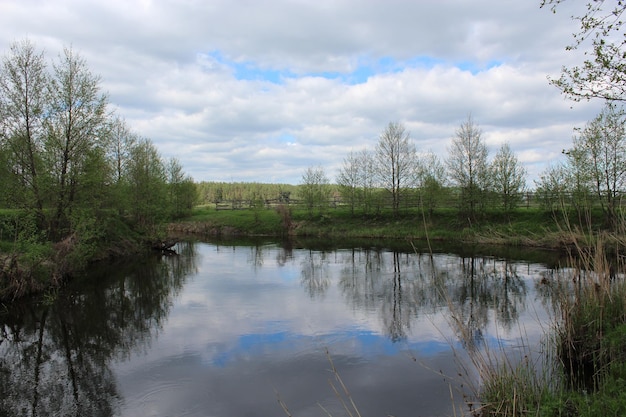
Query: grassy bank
[
  {"x": 31, "y": 262},
  {"x": 523, "y": 227}
]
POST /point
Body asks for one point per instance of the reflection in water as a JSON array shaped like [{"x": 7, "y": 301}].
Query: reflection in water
[
  {"x": 402, "y": 286},
  {"x": 55, "y": 355},
  {"x": 315, "y": 273},
  {"x": 233, "y": 318}
]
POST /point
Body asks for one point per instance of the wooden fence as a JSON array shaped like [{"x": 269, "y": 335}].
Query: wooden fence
[{"x": 411, "y": 201}]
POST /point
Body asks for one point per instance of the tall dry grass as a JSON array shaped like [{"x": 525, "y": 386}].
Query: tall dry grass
[
  {"x": 584, "y": 351},
  {"x": 501, "y": 381}
]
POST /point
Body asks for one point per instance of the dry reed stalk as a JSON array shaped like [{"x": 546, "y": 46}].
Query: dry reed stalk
[
  {"x": 346, "y": 394},
  {"x": 282, "y": 404}
]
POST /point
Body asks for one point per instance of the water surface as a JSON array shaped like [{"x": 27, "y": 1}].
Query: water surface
[{"x": 224, "y": 329}]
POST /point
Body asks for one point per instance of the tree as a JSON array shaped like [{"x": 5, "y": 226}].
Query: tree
[
  {"x": 146, "y": 176},
  {"x": 348, "y": 180},
  {"x": 367, "y": 178},
  {"x": 65, "y": 156},
  {"x": 75, "y": 127},
  {"x": 121, "y": 140},
  {"x": 603, "y": 72},
  {"x": 181, "y": 189},
  {"x": 23, "y": 83},
  {"x": 563, "y": 186},
  {"x": 508, "y": 177},
  {"x": 314, "y": 189},
  {"x": 467, "y": 165},
  {"x": 601, "y": 150},
  {"x": 395, "y": 162},
  {"x": 432, "y": 179},
  {"x": 554, "y": 187}
]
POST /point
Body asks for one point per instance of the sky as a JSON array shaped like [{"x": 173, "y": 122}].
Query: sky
[{"x": 259, "y": 91}]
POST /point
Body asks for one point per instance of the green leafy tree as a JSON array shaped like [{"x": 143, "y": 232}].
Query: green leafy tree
[
  {"x": 120, "y": 139},
  {"x": 65, "y": 156},
  {"x": 181, "y": 189},
  {"x": 602, "y": 34},
  {"x": 23, "y": 106},
  {"x": 147, "y": 180},
  {"x": 565, "y": 186},
  {"x": 75, "y": 127},
  {"x": 508, "y": 177},
  {"x": 554, "y": 187},
  {"x": 578, "y": 181}
]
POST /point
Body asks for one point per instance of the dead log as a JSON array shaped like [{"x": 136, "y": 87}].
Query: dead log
[{"x": 165, "y": 246}]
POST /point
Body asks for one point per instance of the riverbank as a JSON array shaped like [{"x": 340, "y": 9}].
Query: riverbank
[
  {"x": 31, "y": 264},
  {"x": 523, "y": 227}
]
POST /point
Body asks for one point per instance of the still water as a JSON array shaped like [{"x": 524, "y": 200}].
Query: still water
[{"x": 232, "y": 329}]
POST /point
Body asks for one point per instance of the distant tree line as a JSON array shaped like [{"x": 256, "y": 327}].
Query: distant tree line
[
  {"x": 69, "y": 161},
  {"x": 396, "y": 176},
  {"x": 241, "y": 193},
  {"x": 592, "y": 175},
  {"x": 404, "y": 173}
]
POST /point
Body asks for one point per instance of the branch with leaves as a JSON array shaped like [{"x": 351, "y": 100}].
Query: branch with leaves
[{"x": 603, "y": 72}]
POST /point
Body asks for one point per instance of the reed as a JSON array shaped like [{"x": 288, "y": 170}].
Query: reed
[
  {"x": 501, "y": 381},
  {"x": 593, "y": 315},
  {"x": 582, "y": 370}
]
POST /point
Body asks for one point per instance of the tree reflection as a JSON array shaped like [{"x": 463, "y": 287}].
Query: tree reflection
[
  {"x": 401, "y": 286},
  {"x": 55, "y": 355},
  {"x": 315, "y": 274},
  {"x": 285, "y": 254}
]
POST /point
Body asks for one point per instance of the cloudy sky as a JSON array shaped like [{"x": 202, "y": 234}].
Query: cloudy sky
[{"x": 245, "y": 90}]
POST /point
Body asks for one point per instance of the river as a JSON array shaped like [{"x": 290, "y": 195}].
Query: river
[{"x": 260, "y": 328}]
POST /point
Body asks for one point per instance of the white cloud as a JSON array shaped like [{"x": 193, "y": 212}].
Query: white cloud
[{"x": 216, "y": 84}]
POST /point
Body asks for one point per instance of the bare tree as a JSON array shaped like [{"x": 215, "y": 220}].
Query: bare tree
[
  {"x": 367, "y": 178},
  {"x": 395, "y": 162},
  {"x": 467, "y": 165},
  {"x": 314, "y": 189}
]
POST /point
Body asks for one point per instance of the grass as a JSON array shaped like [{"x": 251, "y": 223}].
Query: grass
[
  {"x": 205, "y": 219},
  {"x": 583, "y": 372},
  {"x": 523, "y": 227}
]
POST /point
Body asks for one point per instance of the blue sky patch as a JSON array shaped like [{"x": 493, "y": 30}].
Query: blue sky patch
[
  {"x": 370, "y": 344},
  {"x": 365, "y": 68},
  {"x": 475, "y": 67}
]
